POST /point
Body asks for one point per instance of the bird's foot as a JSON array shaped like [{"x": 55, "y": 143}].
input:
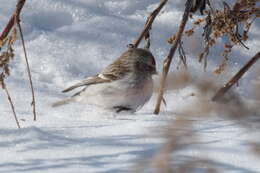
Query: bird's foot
[{"x": 121, "y": 108}]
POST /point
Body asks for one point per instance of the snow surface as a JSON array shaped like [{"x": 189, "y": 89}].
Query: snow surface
[{"x": 70, "y": 39}]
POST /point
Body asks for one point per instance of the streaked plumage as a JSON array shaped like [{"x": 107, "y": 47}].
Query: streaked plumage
[{"x": 126, "y": 84}]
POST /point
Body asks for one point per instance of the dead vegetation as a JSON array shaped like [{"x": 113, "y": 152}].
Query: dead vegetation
[
  {"x": 232, "y": 22},
  {"x": 181, "y": 133},
  {"x": 236, "y": 77},
  {"x": 6, "y": 57},
  {"x": 7, "y": 40}
]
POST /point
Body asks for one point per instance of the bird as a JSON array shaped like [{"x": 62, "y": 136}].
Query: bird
[{"x": 124, "y": 85}]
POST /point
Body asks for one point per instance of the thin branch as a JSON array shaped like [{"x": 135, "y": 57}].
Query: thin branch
[
  {"x": 182, "y": 55},
  {"x": 147, "y": 39},
  {"x": 207, "y": 30},
  {"x": 168, "y": 60},
  {"x": 148, "y": 23},
  {"x": 11, "y": 22},
  {"x": 12, "y": 105},
  {"x": 28, "y": 68},
  {"x": 238, "y": 36},
  {"x": 235, "y": 79}
]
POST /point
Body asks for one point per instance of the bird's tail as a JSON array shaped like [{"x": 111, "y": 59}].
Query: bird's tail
[{"x": 63, "y": 102}]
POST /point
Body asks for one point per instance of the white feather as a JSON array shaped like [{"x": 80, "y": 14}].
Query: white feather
[{"x": 124, "y": 92}]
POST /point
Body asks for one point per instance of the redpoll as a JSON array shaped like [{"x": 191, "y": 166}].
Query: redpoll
[{"x": 124, "y": 85}]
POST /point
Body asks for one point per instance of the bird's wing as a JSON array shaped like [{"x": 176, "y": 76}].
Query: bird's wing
[
  {"x": 115, "y": 71},
  {"x": 118, "y": 69},
  {"x": 89, "y": 81}
]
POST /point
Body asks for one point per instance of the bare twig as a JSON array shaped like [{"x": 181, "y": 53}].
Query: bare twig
[
  {"x": 168, "y": 60},
  {"x": 12, "y": 105},
  {"x": 182, "y": 55},
  {"x": 28, "y": 68},
  {"x": 12, "y": 21},
  {"x": 3, "y": 37},
  {"x": 235, "y": 79},
  {"x": 206, "y": 34},
  {"x": 239, "y": 38},
  {"x": 147, "y": 39},
  {"x": 148, "y": 23},
  {"x": 15, "y": 19}
]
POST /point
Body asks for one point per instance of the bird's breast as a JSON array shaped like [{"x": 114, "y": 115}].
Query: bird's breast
[{"x": 127, "y": 92}]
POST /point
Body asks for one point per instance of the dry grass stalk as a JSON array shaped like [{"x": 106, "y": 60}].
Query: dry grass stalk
[
  {"x": 12, "y": 20},
  {"x": 11, "y": 103},
  {"x": 182, "y": 133},
  {"x": 168, "y": 60},
  {"x": 148, "y": 24},
  {"x": 28, "y": 68},
  {"x": 7, "y": 39},
  {"x": 236, "y": 77},
  {"x": 147, "y": 39},
  {"x": 182, "y": 55},
  {"x": 5, "y": 57},
  {"x": 217, "y": 24},
  {"x": 233, "y": 22}
]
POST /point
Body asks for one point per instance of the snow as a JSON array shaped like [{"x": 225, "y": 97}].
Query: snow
[{"x": 68, "y": 40}]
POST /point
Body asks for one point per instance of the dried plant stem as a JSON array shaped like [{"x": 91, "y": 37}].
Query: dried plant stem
[
  {"x": 12, "y": 106},
  {"x": 28, "y": 69},
  {"x": 168, "y": 60},
  {"x": 235, "y": 79},
  {"x": 148, "y": 23},
  {"x": 147, "y": 40},
  {"x": 12, "y": 21}
]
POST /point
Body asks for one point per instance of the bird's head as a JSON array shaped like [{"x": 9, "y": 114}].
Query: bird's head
[{"x": 144, "y": 61}]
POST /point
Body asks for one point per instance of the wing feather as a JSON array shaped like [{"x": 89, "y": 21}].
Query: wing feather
[
  {"x": 88, "y": 81},
  {"x": 115, "y": 71}
]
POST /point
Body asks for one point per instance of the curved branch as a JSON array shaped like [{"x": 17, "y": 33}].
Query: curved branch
[
  {"x": 235, "y": 79},
  {"x": 148, "y": 23},
  {"x": 12, "y": 20},
  {"x": 168, "y": 60}
]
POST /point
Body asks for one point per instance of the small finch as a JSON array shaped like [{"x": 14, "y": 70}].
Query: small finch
[{"x": 124, "y": 85}]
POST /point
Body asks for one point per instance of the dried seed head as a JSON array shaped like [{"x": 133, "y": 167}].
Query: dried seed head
[
  {"x": 171, "y": 39},
  {"x": 189, "y": 32}
]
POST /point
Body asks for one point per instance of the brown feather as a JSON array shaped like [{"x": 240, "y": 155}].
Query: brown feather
[
  {"x": 88, "y": 81},
  {"x": 122, "y": 66}
]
